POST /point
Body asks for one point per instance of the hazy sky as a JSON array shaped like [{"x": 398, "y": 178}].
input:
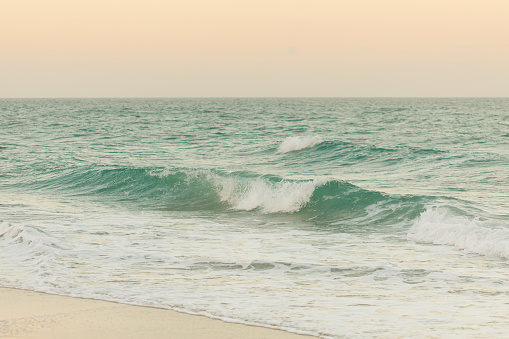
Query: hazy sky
[{"x": 173, "y": 48}]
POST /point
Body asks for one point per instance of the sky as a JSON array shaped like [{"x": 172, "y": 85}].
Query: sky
[{"x": 247, "y": 48}]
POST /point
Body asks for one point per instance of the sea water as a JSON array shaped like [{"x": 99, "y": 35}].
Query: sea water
[{"x": 335, "y": 217}]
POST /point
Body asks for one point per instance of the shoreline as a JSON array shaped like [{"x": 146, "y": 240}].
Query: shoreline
[{"x": 29, "y": 314}]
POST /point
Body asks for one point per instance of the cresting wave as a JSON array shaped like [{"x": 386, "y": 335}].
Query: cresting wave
[
  {"x": 324, "y": 200},
  {"x": 331, "y": 149},
  {"x": 291, "y": 144},
  {"x": 440, "y": 226},
  {"x": 269, "y": 197}
]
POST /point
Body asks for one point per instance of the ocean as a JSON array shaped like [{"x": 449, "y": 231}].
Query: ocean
[{"x": 339, "y": 217}]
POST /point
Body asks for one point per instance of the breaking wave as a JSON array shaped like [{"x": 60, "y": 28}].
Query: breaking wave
[
  {"x": 291, "y": 144},
  {"x": 325, "y": 200},
  {"x": 440, "y": 226}
]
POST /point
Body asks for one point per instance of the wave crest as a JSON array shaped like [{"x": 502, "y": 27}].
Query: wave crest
[
  {"x": 441, "y": 227},
  {"x": 284, "y": 196},
  {"x": 291, "y": 144}
]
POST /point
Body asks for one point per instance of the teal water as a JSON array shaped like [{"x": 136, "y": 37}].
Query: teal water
[{"x": 312, "y": 215}]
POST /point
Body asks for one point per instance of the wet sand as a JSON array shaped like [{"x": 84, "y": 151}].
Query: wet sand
[{"x": 27, "y": 314}]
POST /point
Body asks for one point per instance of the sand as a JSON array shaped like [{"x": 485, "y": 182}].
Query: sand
[{"x": 27, "y": 314}]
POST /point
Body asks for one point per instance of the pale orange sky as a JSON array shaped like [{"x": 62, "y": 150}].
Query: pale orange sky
[{"x": 225, "y": 48}]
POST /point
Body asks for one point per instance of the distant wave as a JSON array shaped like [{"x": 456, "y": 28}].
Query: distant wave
[
  {"x": 441, "y": 227},
  {"x": 291, "y": 144},
  {"x": 315, "y": 151}
]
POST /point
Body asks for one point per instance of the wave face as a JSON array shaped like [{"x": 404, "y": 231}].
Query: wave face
[{"x": 323, "y": 200}]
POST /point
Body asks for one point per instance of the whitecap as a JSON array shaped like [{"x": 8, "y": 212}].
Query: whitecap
[
  {"x": 441, "y": 227},
  {"x": 291, "y": 144},
  {"x": 285, "y": 196}
]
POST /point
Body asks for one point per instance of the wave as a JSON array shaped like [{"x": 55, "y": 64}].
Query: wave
[
  {"x": 327, "y": 153},
  {"x": 292, "y": 144},
  {"x": 335, "y": 204},
  {"x": 355, "y": 150},
  {"x": 323, "y": 200},
  {"x": 440, "y": 226},
  {"x": 269, "y": 197}
]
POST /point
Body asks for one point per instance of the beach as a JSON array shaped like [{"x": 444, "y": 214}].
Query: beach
[{"x": 27, "y": 314}]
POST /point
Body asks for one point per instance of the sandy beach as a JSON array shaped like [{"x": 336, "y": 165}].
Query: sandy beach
[{"x": 27, "y": 314}]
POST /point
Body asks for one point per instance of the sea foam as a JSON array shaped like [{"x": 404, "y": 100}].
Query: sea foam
[
  {"x": 26, "y": 237},
  {"x": 291, "y": 144},
  {"x": 284, "y": 196},
  {"x": 17, "y": 234},
  {"x": 439, "y": 226}
]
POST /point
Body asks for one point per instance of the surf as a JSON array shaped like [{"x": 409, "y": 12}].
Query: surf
[{"x": 441, "y": 226}]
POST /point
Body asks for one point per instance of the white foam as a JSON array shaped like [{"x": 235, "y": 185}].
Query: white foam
[
  {"x": 441, "y": 227},
  {"x": 291, "y": 144},
  {"x": 16, "y": 234},
  {"x": 269, "y": 197},
  {"x": 24, "y": 236}
]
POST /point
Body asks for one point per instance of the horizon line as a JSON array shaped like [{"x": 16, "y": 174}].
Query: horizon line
[{"x": 260, "y": 97}]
